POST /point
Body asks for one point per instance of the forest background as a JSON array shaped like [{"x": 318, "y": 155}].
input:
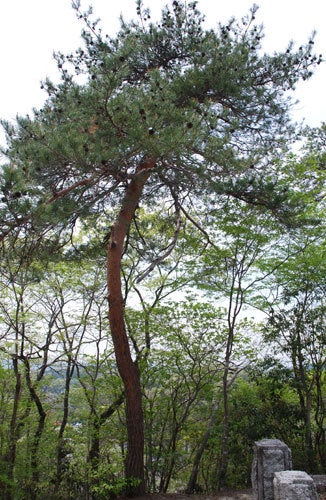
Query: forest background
[{"x": 161, "y": 169}]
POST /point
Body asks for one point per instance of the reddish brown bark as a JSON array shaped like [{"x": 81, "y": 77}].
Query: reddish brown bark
[{"x": 128, "y": 368}]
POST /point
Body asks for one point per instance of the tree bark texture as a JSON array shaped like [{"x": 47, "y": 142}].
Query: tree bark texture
[{"x": 128, "y": 369}]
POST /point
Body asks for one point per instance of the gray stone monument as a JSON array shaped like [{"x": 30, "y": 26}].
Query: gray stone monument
[
  {"x": 294, "y": 485},
  {"x": 270, "y": 455}
]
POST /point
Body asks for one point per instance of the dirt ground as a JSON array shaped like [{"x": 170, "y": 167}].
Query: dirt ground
[
  {"x": 235, "y": 495},
  {"x": 226, "y": 495}
]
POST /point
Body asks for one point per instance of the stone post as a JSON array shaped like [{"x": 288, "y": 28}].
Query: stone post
[
  {"x": 294, "y": 485},
  {"x": 270, "y": 455}
]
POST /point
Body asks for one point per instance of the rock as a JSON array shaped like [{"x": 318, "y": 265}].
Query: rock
[
  {"x": 294, "y": 485},
  {"x": 320, "y": 482},
  {"x": 270, "y": 455}
]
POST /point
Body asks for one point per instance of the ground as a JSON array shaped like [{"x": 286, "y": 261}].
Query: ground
[{"x": 226, "y": 495}]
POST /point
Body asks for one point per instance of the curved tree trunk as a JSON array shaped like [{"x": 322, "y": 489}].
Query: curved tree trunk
[
  {"x": 35, "y": 458},
  {"x": 128, "y": 369},
  {"x": 97, "y": 421}
]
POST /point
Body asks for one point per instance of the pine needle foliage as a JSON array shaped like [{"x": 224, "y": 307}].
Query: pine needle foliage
[{"x": 207, "y": 105}]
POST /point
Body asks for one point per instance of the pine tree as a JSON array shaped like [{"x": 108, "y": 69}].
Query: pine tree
[{"x": 162, "y": 110}]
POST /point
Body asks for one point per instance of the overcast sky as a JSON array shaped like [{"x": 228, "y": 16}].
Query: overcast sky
[{"x": 30, "y": 30}]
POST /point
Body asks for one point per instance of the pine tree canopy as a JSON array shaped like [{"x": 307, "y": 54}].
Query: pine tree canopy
[{"x": 206, "y": 107}]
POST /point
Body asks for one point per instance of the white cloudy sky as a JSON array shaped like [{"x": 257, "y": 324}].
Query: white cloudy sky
[{"x": 30, "y": 30}]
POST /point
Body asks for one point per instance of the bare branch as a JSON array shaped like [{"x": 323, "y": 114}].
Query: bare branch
[{"x": 168, "y": 249}]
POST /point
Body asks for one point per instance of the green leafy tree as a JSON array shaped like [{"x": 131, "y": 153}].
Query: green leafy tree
[
  {"x": 230, "y": 273},
  {"x": 7, "y": 385},
  {"x": 20, "y": 343},
  {"x": 296, "y": 303},
  {"x": 178, "y": 383},
  {"x": 163, "y": 110},
  {"x": 263, "y": 403},
  {"x": 299, "y": 331}
]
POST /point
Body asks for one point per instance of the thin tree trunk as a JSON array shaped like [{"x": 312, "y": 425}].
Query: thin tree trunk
[
  {"x": 234, "y": 308},
  {"x": 128, "y": 369},
  {"x": 311, "y": 464},
  {"x": 225, "y": 432},
  {"x": 61, "y": 447},
  {"x": 93, "y": 455},
  {"x": 17, "y": 421},
  {"x": 304, "y": 393},
  {"x": 223, "y": 466},
  {"x": 227, "y": 383},
  {"x": 13, "y": 430},
  {"x": 195, "y": 467},
  {"x": 39, "y": 430},
  {"x": 320, "y": 435},
  {"x": 171, "y": 463}
]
